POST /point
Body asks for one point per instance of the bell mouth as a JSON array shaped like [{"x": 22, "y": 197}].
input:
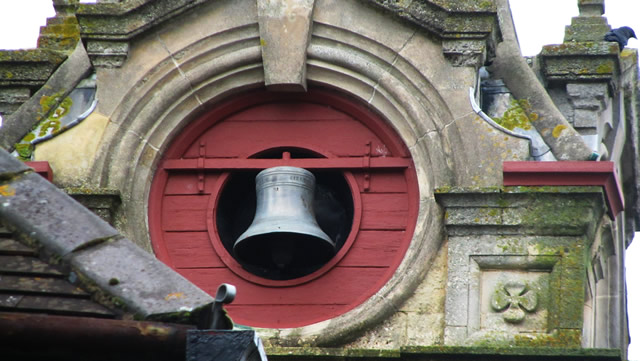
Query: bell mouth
[{"x": 284, "y": 250}]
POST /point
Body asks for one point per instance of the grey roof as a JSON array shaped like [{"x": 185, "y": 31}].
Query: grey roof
[
  {"x": 106, "y": 262},
  {"x": 29, "y": 284}
]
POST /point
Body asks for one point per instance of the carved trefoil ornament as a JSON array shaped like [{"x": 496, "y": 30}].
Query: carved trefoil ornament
[{"x": 514, "y": 300}]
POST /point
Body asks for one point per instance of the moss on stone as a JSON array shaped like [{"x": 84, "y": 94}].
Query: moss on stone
[
  {"x": 511, "y": 350},
  {"x": 518, "y": 115},
  {"x": 52, "y": 123},
  {"x": 605, "y": 68},
  {"x": 24, "y": 150},
  {"x": 29, "y": 137}
]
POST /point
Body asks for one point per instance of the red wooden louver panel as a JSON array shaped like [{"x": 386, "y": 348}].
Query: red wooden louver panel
[{"x": 351, "y": 140}]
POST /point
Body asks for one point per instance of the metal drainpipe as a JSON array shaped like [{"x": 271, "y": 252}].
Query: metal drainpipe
[{"x": 34, "y": 335}]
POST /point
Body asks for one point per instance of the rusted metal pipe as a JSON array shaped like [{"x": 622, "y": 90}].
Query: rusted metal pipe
[{"x": 33, "y": 335}]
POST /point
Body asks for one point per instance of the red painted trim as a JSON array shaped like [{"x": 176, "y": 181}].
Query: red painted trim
[
  {"x": 155, "y": 217},
  {"x": 307, "y": 163},
  {"x": 43, "y": 168},
  {"x": 567, "y": 173}
]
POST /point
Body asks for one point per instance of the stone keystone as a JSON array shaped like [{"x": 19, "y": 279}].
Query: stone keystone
[{"x": 285, "y": 30}]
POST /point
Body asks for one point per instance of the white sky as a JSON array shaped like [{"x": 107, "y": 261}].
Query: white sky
[{"x": 538, "y": 22}]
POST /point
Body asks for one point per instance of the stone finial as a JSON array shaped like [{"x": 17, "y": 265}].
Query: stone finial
[
  {"x": 591, "y": 7},
  {"x": 589, "y": 25}
]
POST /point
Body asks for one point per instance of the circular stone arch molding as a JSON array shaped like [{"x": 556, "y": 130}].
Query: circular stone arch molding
[{"x": 166, "y": 100}]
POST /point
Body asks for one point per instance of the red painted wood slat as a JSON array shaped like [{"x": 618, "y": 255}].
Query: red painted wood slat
[
  {"x": 384, "y": 211},
  {"x": 191, "y": 250},
  {"x": 229, "y": 139},
  {"x": 184, "y": 213},
  {"x": 382, "y": 181},
  {"x": 288, "y": 111},
  {"x": 374, "y": 249},
  {"x": 287, "y": 315},
  {"x": 338, "y": 286}
]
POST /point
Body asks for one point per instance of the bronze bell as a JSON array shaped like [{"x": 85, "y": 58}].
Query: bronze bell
[{"x": 284, "y": 232}]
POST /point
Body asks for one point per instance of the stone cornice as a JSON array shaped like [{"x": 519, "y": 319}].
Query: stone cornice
[
  {"x": 28, "y": 68},
  {"x": 123, "y": 21},
  {"x": 468, "y": 29},
  {"x": 464, "y": 26},
  {"x": 446, "y": 19},
  {"x": 581, "y": 61}
]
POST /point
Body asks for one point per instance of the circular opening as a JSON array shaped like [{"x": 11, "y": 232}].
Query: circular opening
[{"x": 333, "y": 208}]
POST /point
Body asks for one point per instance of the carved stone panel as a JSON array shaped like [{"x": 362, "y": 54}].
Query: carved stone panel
[{"x": 511, "y": 279}]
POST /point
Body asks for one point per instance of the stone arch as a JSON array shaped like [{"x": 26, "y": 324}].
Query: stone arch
[{"x": 175, "y": 90}]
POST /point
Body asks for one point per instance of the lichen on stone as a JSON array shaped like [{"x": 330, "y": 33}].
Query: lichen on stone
[
  {"x": 557, "y": 131},
  {"x": 518, "y": 115}
]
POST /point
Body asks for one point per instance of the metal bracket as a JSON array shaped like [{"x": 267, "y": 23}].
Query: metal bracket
[
  {"x": 201, "y": 155},
  {"x": 366, "y": 164}
]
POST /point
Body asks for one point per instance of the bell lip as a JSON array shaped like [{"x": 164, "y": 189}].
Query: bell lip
[
  {"x": 291, "y": 227},
  {"x": 320, "y": 250}
]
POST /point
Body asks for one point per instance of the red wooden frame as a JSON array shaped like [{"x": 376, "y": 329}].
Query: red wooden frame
[
  {"x": 303, "y": 292},
  {"x": 567, "y": 173}
]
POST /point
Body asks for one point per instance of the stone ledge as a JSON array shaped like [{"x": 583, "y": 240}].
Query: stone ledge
[
  {"x": 552, "y": 210},
  {"x": 30, "y": 68},
  {"x": 581, "y": 61},
  {"x": 443, "y": 353}
]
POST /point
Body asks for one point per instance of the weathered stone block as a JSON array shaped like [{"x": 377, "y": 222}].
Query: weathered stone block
[
  {"x": 107, "y": 54},
  {"x": 465, "y": 52},
  {"x": 516, "y": 283},
  {"x": 284, "y": 36},
  {"x": 12, "y": 98},
  {"x": 102, "y": 202}
]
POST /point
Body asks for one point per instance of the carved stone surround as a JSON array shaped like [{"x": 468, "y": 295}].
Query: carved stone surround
[{"x": 516, "y": 261}]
